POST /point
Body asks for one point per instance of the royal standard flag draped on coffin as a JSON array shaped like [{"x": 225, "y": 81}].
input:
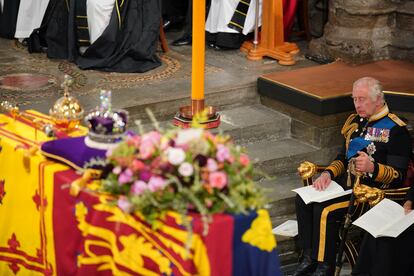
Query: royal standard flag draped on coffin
[
  {"x": 117, "y": 243},
  {"x": 45, "y": 231},
  {"x": 26, "y": 197}
]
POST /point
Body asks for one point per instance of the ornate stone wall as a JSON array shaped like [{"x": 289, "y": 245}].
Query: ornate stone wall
[{"x": 365, "y": 30}]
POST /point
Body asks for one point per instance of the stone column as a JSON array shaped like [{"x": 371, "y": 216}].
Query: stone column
[{"x": 365, "y": 30}]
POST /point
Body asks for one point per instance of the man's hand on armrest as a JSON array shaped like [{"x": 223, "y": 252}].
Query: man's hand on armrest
[{"x": 322, "y": 182}]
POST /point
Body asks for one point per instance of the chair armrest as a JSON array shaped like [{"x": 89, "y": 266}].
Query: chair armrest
[
  {"x": 396, "y": 194},
  {"x": 307, "y": 170}
]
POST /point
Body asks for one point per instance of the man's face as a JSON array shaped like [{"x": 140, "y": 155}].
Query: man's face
[{"x": 364, "y": 105}]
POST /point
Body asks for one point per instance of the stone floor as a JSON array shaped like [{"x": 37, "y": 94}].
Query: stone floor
[{"x": 224, "y": 70}]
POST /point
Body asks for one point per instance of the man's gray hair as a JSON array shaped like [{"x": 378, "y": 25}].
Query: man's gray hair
[{"x": 374, "y": 86}]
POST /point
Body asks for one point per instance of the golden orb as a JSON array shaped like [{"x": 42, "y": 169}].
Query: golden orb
[{"x": 66, "y": 112}]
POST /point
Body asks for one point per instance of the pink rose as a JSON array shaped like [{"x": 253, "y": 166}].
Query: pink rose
[
  {"x": 244, "y": 159},
  {"x": 148, "y": 144},
  {"x": 134, "y": 141},
  {"x": 212, "y": 165},
  {"x": 223, "y": 153},
  {"x": 153, "y": 137},
  {"x": 139, "y": 187},
  {"x": 137, "y": 165},
  {"x": 146, "y": 149},
  {"x": 125, "y": 177},
  {"x": 124, "y": 204},
  {"x": 156, "y": 183},
  {"x": 217, "y": 180}
]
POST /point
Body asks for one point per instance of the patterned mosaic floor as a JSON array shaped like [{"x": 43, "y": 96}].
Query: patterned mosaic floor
[
  {"x": 27, "y": 78},
  {"x": 33, "y": 80}
]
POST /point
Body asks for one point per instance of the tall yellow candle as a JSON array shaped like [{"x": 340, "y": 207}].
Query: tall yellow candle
[{"x": 198, "y": 50}]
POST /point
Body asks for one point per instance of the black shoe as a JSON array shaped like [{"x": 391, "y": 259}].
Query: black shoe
[
  {"x": 184, "y": 40},
  {"x": 306, "y": 266},
  {"x": 212, "y": 45},
  {"x": 323, "y": 269}
]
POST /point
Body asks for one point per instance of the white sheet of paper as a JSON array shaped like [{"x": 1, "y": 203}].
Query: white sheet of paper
[
  {"x": 386, "y": 219},
  {"x": 289, "y": 229},
  {"x": 310, "y": 194}
]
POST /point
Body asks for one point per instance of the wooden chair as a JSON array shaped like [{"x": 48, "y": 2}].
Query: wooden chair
[
  {"x": 272, "y": 42},
  {"x": 162, "y": 38}
]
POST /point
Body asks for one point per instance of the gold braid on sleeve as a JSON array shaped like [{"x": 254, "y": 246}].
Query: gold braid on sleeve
[
  {"x": 386, "y": 174},
  {"x": 337, "y": 167}
]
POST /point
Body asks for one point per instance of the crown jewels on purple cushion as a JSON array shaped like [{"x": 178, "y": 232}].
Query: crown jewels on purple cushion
[{"x": 106, "y": 125}]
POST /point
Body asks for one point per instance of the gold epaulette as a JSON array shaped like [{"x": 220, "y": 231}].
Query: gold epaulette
[
  {"x": 347, "y": 124},
  {"x": 348, "y": 129},
  {"x": 396, "y": 120}
]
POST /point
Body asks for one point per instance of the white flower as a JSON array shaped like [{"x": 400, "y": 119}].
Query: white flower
[
  {"x": 176, "y": 156},
  {"x": 186, "y": 169},
  {"x": 186, "y": 135}
]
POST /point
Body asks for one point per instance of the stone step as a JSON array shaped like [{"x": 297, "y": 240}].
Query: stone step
[
  {"x": 246, "y": 124},
  {"x": 286, "y": 247},
  {"x": 250, "y": 124},
  {"x": 281, "y": 207},
  {"x": 281, "y": 199},
  {"x": 282, "y": 156},
  {"x": 166, "y": 105}
]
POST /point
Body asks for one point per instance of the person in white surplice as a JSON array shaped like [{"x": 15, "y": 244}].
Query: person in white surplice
[
  {"x": 220, "y": 15},
  {"x": 29, "y": 17}
]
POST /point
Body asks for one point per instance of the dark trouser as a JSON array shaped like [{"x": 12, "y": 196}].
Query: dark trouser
[
  {"x": 188, "y": 28},
  {"x": 386, "y": 256},
  {"x": 318, "y": 225}
]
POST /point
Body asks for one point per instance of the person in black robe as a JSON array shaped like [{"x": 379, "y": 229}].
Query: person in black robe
[
  {"x": 8, "y": 18},
  {"x": 385, "y": 256},
  {"x": 128, "y": 44}
]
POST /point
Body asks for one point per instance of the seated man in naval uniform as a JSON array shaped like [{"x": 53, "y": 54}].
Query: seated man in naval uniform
[{"x": 380, "y": 145}]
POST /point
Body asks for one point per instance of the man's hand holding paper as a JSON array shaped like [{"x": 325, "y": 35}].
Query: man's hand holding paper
[{"x": 310, "y": 194}]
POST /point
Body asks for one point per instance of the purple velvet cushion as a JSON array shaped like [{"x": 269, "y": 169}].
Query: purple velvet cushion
[{"x": 71, "y": 151}]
